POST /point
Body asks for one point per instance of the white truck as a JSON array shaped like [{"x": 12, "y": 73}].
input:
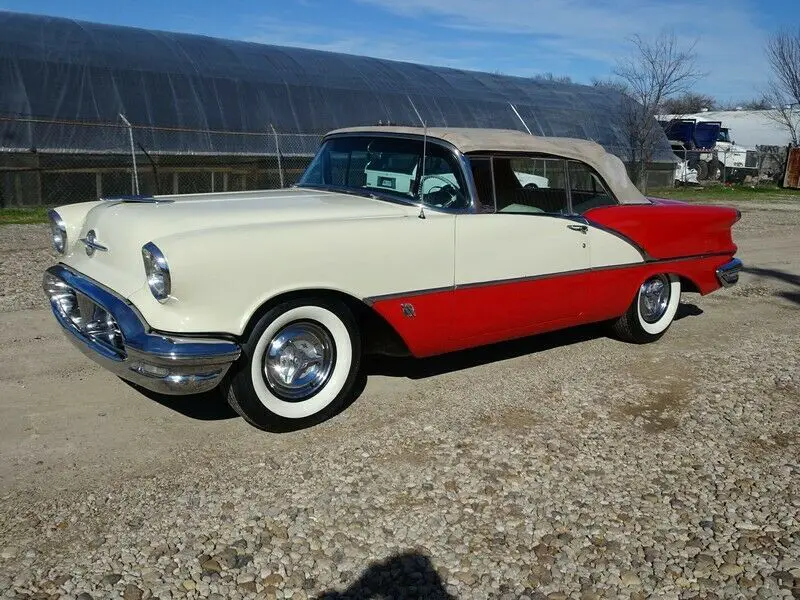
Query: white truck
[{"x": 706, "y": 146}]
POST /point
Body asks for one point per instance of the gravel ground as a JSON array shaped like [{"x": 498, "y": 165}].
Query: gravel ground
[
  {"x": 25, "y": 252},
  {"x": 565, "y": 466}
]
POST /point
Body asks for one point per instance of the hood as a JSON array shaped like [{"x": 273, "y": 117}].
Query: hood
[{"x": 123, "y": 227}]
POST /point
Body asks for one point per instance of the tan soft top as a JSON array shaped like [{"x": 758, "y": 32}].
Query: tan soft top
[{"x": 473, "y": 139}]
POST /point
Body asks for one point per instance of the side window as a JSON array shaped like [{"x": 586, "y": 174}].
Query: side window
[
  {"x": 441, "y": 186},
  {"x": 344, "y": 171},
  {"x": 530, "y": 185},
  {"x": 586, "y": 189},
  {"x": 482, "y": 177}
]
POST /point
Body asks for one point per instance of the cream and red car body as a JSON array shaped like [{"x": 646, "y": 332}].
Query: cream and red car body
[{"x": 441, "y": 280}]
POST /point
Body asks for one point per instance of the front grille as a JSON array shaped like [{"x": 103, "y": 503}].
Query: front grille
[
  {"x": 85, "y": 315},
  {"x": 98, "y": 324},
  {"x": 751, "y": 160}
]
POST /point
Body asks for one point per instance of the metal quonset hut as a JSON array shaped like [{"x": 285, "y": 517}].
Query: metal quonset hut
[{"x": 212, "y": 114}]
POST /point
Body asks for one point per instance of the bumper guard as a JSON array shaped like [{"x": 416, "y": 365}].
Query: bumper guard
[
  {"x": 728, "y": 274},
  {"x": 111, "y": 332}
]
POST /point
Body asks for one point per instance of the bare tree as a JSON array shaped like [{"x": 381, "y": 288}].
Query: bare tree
[
  {"x": 688, "y": 103},
  {"x": 761, "y": 103},
  {"x": 554, "y": 78},
  {"x": 657, "y": 70},
  {"x": 783, "y": 93}
]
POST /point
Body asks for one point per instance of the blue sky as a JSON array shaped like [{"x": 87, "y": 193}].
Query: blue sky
[{"x": 579, "y": 38}]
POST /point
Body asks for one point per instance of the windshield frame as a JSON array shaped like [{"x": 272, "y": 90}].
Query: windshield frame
[{"x": 461, "y": 161}]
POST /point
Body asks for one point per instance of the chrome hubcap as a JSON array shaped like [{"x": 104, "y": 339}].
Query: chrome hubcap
[
  {"x": 299, "y": 360},
  {"x": 654, "y": 298}
]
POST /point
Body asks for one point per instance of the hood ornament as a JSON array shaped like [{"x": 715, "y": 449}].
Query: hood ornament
[{"x": 91, "y": 244}]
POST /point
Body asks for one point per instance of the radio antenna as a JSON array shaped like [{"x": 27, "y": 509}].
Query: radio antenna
[
  {"x": 133, "y": 152},
  {"x": 524, "y": 124},
  {"x": 424, "y": 154},
  {"x": 278, "y": 152}
]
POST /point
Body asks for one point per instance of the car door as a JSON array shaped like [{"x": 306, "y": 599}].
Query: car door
[{"x": 521, "y": 258}]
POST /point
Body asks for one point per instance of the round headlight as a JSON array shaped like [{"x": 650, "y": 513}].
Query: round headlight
[
  {"x": 157, "y": 271},
  {"x": 58, "y": 231}
]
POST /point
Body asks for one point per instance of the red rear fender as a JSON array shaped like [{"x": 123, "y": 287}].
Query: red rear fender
[{"x": 671, "y": 229}]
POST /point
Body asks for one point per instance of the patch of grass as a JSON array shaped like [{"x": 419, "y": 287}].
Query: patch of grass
[
  {"x": 10, "y": 216},
  {"x": 718, "y": 192}
]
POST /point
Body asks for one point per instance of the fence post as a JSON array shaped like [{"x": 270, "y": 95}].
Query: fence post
[
  {"x": 278, "y": 152},
  {"x": 723, "y": 174},
  {"x": 135, "y": 177}
]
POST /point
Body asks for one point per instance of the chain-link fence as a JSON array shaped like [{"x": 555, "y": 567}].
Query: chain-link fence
[{"x": 98, "y": 161}]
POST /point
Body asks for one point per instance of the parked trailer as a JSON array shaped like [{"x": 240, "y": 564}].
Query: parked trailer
[{"x": 707, "y": 147}]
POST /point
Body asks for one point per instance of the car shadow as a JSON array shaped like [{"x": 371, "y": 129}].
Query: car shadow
[
  {"x": 407, "y": 575},
  {"x": 212, "y": 406},
  {"x": 420, "y": 368},
  {"x": 783, "y": 276},
  {"x": 209, "y": 406},
  {"x": 774, "y": 274},
  {"x": 687, "y": 310},
  {"x": 791, "y": 297}
]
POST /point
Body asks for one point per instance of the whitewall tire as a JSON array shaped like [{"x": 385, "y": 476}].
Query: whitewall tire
[
  {"x": 652, "y": 310},
  {"x": 298, "y": 366}
]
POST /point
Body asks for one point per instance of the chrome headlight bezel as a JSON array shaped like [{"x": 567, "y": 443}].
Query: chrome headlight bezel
[
  {"x": 157, "y": 271},
  {"x": 58, "y": 231}
]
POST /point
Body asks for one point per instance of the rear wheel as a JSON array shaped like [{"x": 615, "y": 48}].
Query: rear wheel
[
  {"x": 298, "y": 366},
  {"x": 714, "y": 169},
  {"x": 702, "y": 170},
  {"x": 652, "y": 310}
]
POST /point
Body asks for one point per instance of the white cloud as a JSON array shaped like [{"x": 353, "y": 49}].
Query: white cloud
[
  {"x": 730, "y": 46},
  {"x": 406, "y": 46}
]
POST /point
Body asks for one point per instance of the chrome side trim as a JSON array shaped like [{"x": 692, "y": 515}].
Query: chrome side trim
[
  {"x": 137, "y": 199},
  {"x": 159, "y": 362},
  {"x": 644, "y": 254},
  {"x": 728, "y": 274},
  {"x": 462, "y": 286},
  {"x": 394, "y": 295}
]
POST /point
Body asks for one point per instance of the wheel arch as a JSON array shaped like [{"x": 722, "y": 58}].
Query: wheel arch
[
  {"x": 378, "y": 335},
  {"x": 688, "y": 284}
]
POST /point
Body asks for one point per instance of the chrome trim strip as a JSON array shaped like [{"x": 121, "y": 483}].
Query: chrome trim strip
[
  {"x": 526, "y": 278},
  {"x": 461, "y": 286},
  {"x": 728, "y": 274},
  {"x": 159, "y": 362},
  {"x": 370, "y": 300},
  {"x": 644, "y": 254},
  {"x": 136, "y": 199}
]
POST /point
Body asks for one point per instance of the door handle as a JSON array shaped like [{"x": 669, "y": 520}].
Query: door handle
[{"x": 581, "y": 228}]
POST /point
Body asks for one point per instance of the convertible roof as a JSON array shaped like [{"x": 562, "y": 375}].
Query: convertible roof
[{"x": 474, "y": 139}]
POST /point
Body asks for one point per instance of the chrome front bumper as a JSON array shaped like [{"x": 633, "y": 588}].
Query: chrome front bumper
[
  {"x": 728, "y": 274},
  {"x": 110, "y": 331}
]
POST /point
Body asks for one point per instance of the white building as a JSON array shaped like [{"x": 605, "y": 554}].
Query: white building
[{"x": 748, "y": 128}]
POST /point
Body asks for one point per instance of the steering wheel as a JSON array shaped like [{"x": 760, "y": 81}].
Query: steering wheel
[{"x": 443, "y": 196}]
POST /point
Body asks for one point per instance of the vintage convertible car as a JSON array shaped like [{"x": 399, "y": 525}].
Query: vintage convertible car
[{"x": 274, "y": 297}]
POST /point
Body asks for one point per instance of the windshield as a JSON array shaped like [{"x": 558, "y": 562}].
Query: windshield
[{"x": 390, "y": 167}]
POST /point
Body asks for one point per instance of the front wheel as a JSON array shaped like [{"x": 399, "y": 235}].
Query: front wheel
[
  {"x": 652, "y": 310},
  {"x": 298, "y": 366}
]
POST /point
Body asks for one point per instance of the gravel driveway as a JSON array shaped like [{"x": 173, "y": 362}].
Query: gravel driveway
[{"x": 564, "y": 466}]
